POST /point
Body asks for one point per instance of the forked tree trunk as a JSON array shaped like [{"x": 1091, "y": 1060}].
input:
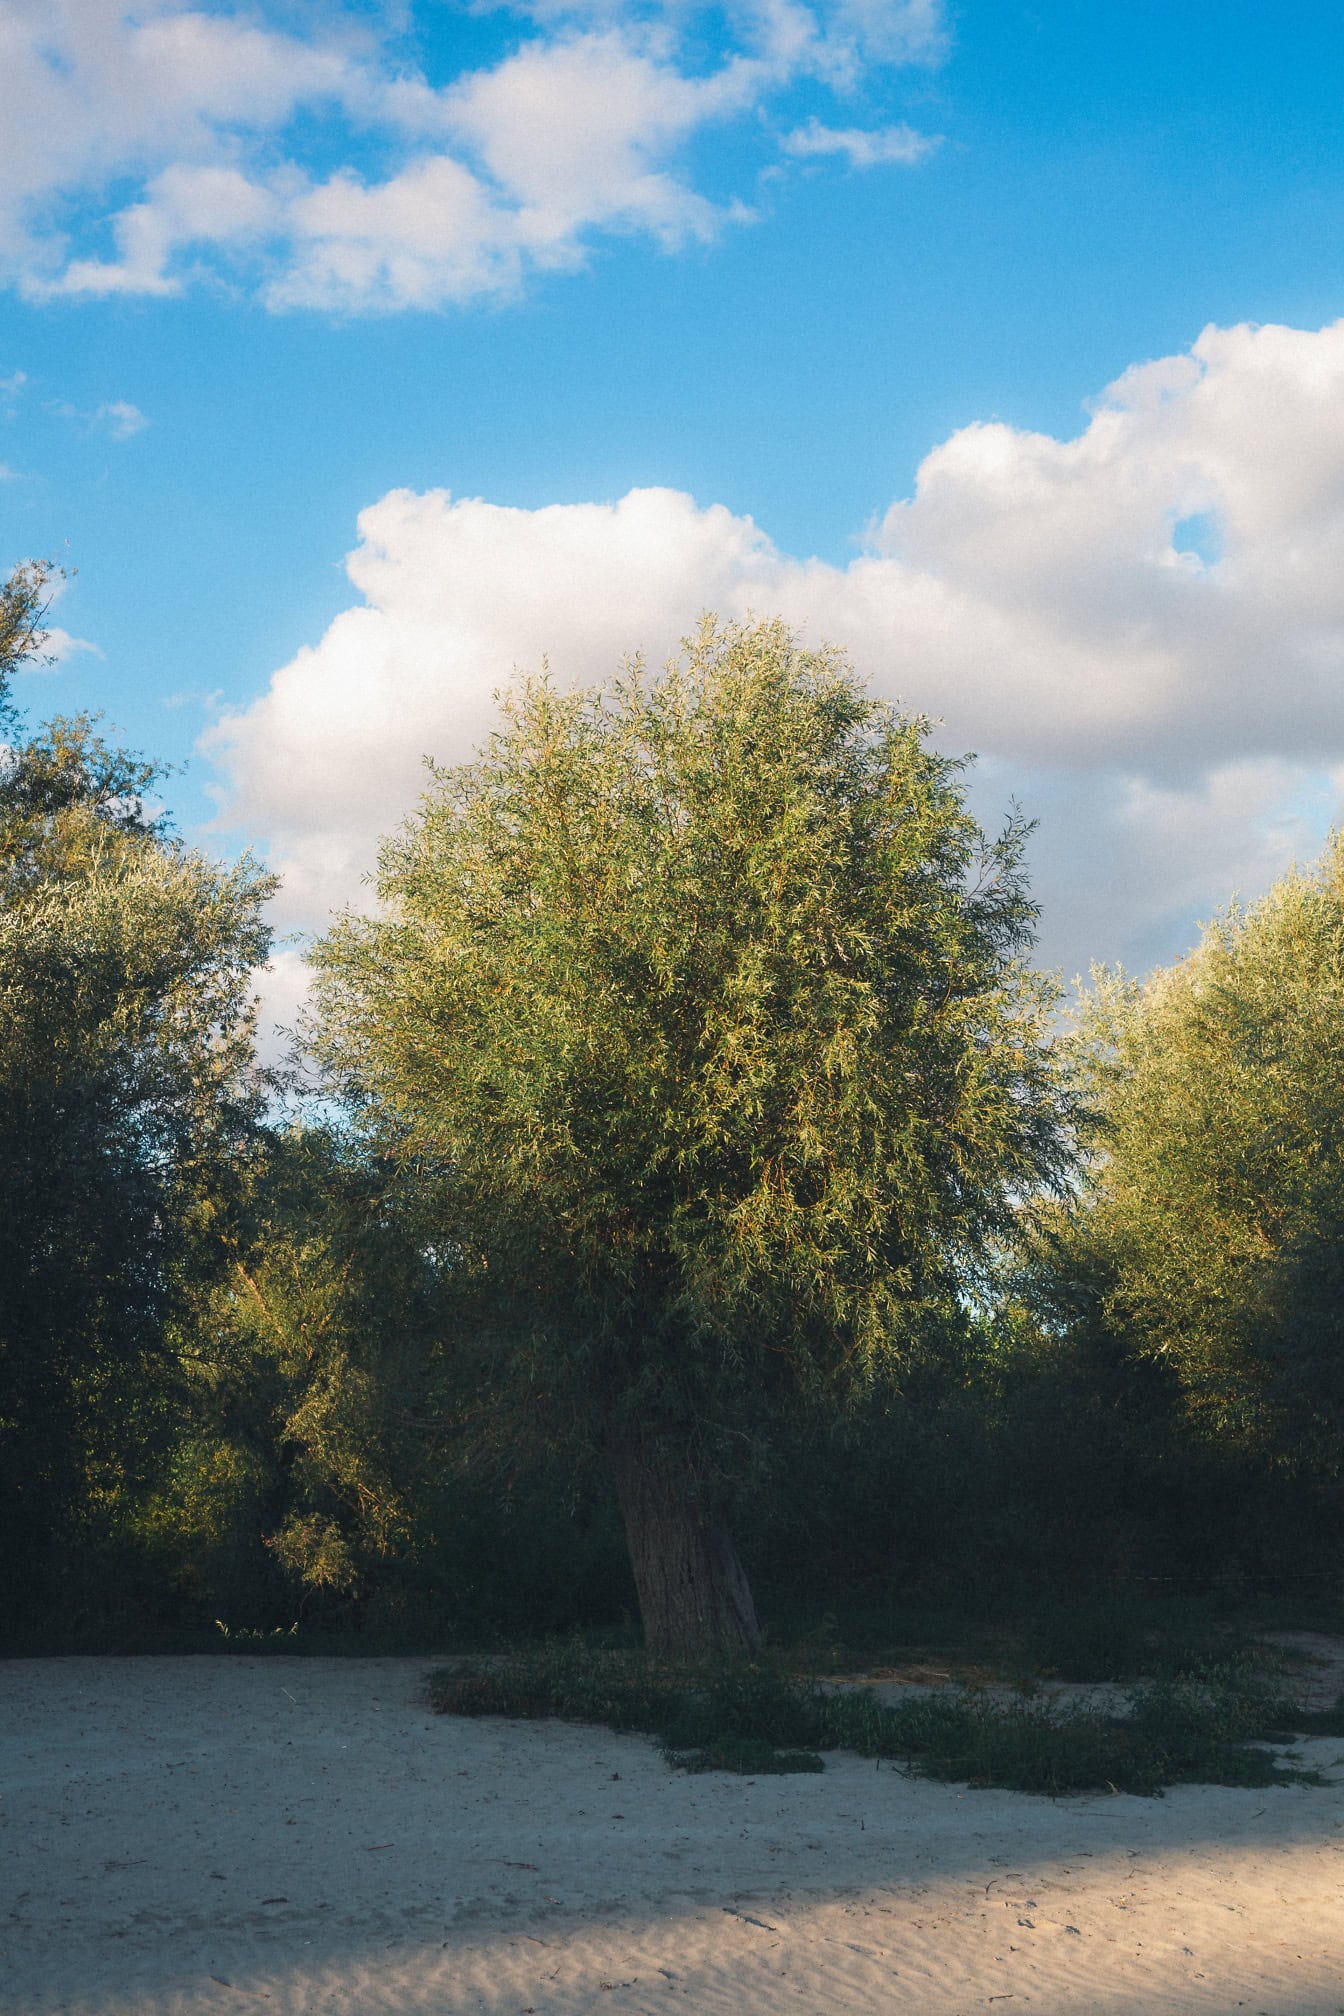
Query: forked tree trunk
[{"x": 693, "y": 1596}]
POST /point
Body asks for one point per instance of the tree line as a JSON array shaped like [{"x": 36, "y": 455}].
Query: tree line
[{"x": 706, "y": 1214}]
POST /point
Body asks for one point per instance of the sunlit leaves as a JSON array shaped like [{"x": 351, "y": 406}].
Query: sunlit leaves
[
  {"x": 1214, "y": 1221},
  {"x": 710, "y": 994},
  {"x": 125, "y": 1088}
]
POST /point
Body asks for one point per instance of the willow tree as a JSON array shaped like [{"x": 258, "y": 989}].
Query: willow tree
[
  {"x": 706, "y": 994},
  {"x": 1210, "y": 1234},
  {"x": 125, "y": 1051}
]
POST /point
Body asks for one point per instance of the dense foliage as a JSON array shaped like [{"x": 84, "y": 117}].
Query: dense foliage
[
  {"x": 1210, "y": 1236},
  {"x": 125, "y": 1046},
  {"x": 708, "y": 996},
  {"x": 691, "y": 1154}
]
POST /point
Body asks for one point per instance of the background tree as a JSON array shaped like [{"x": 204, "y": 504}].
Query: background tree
[
  {"x": 1210, "y": 1234},
  {"x": 125, "y": 1059},
  {"x": 706, "y": 996},
  {"x": 304, "y": 1350}
]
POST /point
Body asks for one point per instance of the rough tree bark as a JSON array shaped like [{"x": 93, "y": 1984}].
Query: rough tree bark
[{"x": 694, "y": 1598}]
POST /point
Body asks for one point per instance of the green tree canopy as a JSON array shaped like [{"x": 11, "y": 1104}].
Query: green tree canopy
[
  {"x": 125, "y": 1055},
  {"x": 1211, "y": 1230},
  {"x": 706, "y": 996}
]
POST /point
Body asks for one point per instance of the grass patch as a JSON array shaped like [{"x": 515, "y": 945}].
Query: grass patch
[
  {"x": 1203, "y": 1727},
  {"x": 1321, "y": 1721},
  {"x": 747, "y": 1756},
  {"x": 1076, "y": 1631}
]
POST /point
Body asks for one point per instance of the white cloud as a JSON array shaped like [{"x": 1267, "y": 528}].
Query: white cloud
[
  {"x": 428, "y": 236},
  {"x": 216, "y": 121},
  {"x": 1125, "y": 865},
  {"x": 456, "y": 594},
  {"x": 862, "y": 149},
  {"x": 120, "y": 419},
  {"x": 572, "y": 132},
  {"x": 185, "y": 205},
  {"x": 58, "y": 646},
  {"x": 116, "y": 417},
  {"x": 1179, "y": 728},
  {"x": 902, "y": 31},
  {"x": 825, "y": 37},
  {"x": 282, "y": 990}
]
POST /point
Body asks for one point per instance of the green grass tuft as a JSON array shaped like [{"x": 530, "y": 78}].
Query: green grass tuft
[
  {"x": 1206, "y": 1726},
  {"x": 749, "y": 1756}
]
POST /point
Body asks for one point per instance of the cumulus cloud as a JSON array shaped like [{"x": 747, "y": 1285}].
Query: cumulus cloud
[
  {"x": 456, "y": 594},
  {"x": 217, "y": 120},
  {"x": 1173, "y": 716},
  {"x": 862, "y": 149}
]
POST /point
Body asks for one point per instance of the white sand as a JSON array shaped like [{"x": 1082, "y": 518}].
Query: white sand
[{"x": 212, "y": 1835}]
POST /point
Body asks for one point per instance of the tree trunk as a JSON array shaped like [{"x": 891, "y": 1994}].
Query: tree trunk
[{"x": 693, "y": 1596}]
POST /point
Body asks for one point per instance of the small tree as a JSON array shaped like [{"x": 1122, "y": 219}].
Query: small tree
[
  {"x": 706, "y": 995},
  {"x": 1210, "y": 1234},
  {"x": 299, "y": 1353}
]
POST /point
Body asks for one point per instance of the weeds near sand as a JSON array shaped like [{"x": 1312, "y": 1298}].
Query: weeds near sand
[
  {"x": 1205, "y": 1726},
  {"x": 245, "y": 1635}
]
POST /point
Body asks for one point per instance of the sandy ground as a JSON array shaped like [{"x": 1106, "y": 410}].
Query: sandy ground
[{"x": 213, "y": 1835}]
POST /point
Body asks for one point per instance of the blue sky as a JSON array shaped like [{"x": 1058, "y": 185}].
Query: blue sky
[{"x": 821, "y": 304}]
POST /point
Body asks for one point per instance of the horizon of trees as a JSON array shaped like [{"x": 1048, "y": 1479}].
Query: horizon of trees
[{"x": 701, "y": 1217}]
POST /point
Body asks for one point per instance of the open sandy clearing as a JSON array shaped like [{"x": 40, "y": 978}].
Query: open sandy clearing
[{"x": 302, "y": 1835}]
